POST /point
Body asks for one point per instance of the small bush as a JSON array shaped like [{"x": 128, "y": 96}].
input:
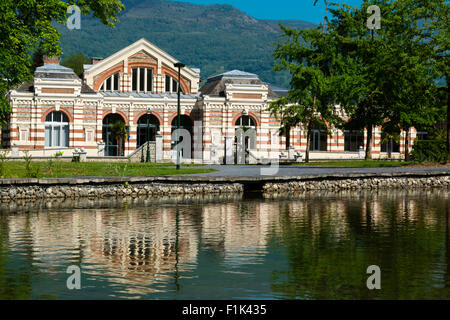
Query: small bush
[
  {"x": 430, "y": 151},
  {"x": 31, "y": 171}
]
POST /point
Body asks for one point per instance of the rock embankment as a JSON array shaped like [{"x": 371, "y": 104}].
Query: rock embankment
[
  {"x": 360, "y": 184},
  {"x": 116, "y": 190}
]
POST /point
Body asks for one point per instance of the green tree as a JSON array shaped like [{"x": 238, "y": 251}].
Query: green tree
[
  {"x": 389, "y": 70},
  {"x": 37, "y": 59},
  {"x": 76, "y": 62},
  {"x": 363, "y": 98},
  {"x": 309, "y": 57},
  {"x": 26, "y": 25},
  {"x": 415, "y": 96},
  {"x": 437, "y": 25}
]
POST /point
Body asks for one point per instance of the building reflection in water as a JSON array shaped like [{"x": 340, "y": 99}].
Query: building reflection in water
[{"x": 146, "y": 246}]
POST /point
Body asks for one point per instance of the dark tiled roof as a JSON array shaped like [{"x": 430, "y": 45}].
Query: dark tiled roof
[
  {"x": 29, "y": 87},
  {"x": 54, "y": 71},
  {"x": 86, "y": 89},
  {"x": 280, "y": 91},
  {"x": 26, "y": 86},
  {"x": 215, "y": 86}
]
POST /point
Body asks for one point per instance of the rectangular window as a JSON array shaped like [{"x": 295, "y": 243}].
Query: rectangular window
[
  {"x": 149, "y": 80},
  {"x": 56, "y": 136},
  {"x": 318, "y": 140},
  {"x": 394, "y": 146},
  {"x": 24, "y": 135},
  {"x": 168, "y": 83},
  {"x": 353, "y": 139},
  {"x": 141, "y": 79},
  {"x": 89, "y": 136},
  {"x": 48, "y": 136},
  {"x": 108, "y": 84},
  {"x": 422, "y": 135},
  {"x": 134, "y": 79},
  {"x": 323, "y": 140},
  {"x": 65, "y": 136},
  {"x": 174, "y": 85},
  {"x": 116, "y": 82}
]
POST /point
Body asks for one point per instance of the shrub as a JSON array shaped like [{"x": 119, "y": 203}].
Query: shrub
[
  {"x": 429, "y": 150},
  {"x": 31, "y": 171}
]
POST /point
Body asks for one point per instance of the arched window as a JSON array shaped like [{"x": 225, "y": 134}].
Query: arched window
[
  {"x": 172, "y": 85},
  {"x": 153, "y": 128},
  {"x": 245, "y": 121},
  {"x": 142, "y": 79},
  {"x": 111, "y": 84},
  {"x": 112, "y": 134},
  {"x": 56, "y": 129}
]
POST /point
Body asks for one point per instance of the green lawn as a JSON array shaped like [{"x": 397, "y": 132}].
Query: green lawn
[
  {"x": 363, "y": 163},
  {"x": 55, "y": 168}
]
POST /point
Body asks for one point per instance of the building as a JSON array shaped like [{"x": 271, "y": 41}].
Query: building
[{"x": 227, "y": 117}]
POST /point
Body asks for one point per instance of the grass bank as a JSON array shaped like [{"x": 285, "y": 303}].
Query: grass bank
[{"x": 55, "y": 168}]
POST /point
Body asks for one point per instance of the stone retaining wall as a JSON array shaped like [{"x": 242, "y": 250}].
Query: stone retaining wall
[
  {"x": 73, "y": 188},
  {"x": 360, "y": 184},
  {"x": 11, "y": 193}
]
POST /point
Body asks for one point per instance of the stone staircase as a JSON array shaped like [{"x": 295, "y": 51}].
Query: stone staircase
[{"x": 140, "y": 154}]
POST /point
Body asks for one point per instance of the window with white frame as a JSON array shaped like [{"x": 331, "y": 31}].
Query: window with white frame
[
  {"x": 23, "y": 134},
  {"x": 142, "y": 79},
  {"x": 245, "y": 121},
  {"x": 56, "y": 130},
  {"x": 89, "y": 135},
  {"x": 172, "y": 85},
  {"x": 111, "y": 83}
]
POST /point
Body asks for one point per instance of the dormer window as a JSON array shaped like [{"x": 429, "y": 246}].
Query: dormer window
[
  {"x": 111, "y": 84},
  {"x": 142, "y": 79},
  {"x": 172, "y": 85}
]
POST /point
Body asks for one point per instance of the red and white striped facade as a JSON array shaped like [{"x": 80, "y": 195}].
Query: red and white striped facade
[{"x": 86, "y": 103}]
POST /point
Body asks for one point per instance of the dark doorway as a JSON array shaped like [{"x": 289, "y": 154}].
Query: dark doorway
[
  {"x": 185, "y": 123},
  {"x": 142, "y": 129},
  {"x": 112, "y": 147}
]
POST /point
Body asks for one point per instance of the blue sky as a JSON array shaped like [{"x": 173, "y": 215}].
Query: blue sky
[{"x": 279, "y": 9}]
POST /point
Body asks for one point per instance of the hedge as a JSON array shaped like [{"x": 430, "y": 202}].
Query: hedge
[{"x": 429, "y": 150}]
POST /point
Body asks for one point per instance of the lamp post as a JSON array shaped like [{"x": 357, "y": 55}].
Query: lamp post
[
  {"x": 149, "y": 112},
  {"x": 179, "y": 65}
]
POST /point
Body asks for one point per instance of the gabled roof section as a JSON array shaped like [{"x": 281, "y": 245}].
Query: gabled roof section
[{"x": 140, "y": 45}]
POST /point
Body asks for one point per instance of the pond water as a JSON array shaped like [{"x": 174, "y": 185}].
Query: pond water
[{"x": 299, "y": 246}]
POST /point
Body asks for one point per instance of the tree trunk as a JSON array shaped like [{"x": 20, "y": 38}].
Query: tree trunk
[
  {"x": 119, "y": 147},
  {"x": 369, "y": 143},
  {"x": 308, "y": 142},
  {"x": 407, "y": 144}
]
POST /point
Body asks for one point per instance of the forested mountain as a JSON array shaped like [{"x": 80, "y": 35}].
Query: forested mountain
[{"x": 215, "y": 38}]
